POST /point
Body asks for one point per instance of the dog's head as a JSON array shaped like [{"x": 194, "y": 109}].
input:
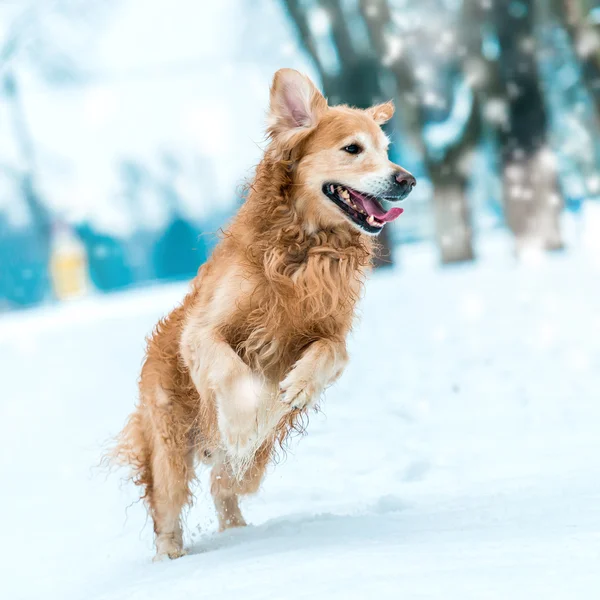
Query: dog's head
[{"x": 342, "y": 174}]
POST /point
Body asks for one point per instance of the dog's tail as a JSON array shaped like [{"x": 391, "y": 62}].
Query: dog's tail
[{"x": 133, "y": 451}]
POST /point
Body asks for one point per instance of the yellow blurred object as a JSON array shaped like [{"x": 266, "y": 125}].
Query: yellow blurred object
[{"x": 68, "y": 264}]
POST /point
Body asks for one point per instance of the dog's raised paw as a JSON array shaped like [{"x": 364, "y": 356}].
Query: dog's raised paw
[{"x": 297, "y": 394}]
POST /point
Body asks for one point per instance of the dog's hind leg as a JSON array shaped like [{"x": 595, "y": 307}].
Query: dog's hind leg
[
  {"x": 226, "y": 489},
  {"x": 172, "y": 470},
  {"x": 222, "y": 489}
]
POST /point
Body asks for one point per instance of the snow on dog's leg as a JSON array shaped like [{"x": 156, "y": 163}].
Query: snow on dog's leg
[
  {"x": 226, "y": 501},
  {"x": 320, "y": 365},
  {"x": 226, "y": 487}
]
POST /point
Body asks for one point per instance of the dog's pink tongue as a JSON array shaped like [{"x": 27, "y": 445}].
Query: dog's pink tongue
[{"x": 374, "y": 209}]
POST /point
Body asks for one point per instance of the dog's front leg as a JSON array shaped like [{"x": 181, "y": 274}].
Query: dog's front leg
[
  {"x": 215, "y": 368},
  {"x": 318, "y": 367}
]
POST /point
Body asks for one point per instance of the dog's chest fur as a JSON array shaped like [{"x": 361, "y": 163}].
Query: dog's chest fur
[{"x": 292, "y": 302}]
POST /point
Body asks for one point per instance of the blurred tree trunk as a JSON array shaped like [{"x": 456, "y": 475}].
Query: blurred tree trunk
[
  {"x": 532, "y": 200},
  {"x": 583, "y": 34},
  {"x": 585, "y": 38},
  {"x": 452, "y": 215},
  {"x": 40, "y": 216},
  {"x": 450, "y": 177},
  {"x": 356, "y": 82},
  {"x": 24, "y": 267},
  {"x": 391, "y": 52}
]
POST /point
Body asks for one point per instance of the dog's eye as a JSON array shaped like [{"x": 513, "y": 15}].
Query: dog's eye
[{"x": 352, "y": 149}]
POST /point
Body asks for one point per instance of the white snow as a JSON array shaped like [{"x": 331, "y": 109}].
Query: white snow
[{"x": 458, "y": 457}]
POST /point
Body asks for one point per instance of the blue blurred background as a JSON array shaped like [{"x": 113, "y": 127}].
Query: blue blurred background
[{"x": 128, "y": 127}]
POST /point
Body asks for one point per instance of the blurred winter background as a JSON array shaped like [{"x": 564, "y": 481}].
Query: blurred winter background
[
  {"x": 127, "y": 128},
  {"x": 460, "y": 456}
]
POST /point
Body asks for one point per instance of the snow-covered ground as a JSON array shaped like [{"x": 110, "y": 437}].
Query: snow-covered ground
[{"x": 458, "y": 457}]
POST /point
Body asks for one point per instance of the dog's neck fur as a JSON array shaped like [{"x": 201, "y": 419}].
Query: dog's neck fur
[{"x": 271, "y": 221}]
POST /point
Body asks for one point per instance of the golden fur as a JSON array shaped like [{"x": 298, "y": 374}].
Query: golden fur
[{"x": 231, "y": 371}]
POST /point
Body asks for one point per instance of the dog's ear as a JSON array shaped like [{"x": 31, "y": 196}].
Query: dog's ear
[
  {"x": 296, "y": 107},
  {"x": 381, "y": 113}
]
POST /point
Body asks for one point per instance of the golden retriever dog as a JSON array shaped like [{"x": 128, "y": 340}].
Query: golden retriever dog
[{"x": 262, "y": 332}]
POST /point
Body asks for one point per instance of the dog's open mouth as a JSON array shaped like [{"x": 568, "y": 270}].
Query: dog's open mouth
[{"x": 364, "y": 210}]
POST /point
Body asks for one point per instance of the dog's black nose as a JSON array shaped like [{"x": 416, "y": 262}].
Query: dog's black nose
[{"x": 406, "y": 182}]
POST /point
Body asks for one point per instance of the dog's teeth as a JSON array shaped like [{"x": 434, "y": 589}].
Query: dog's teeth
[
  {"x": 331, "y": 189},
  {"x": 371, "y": 220},
  {"x": 344, "y": 194}
]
